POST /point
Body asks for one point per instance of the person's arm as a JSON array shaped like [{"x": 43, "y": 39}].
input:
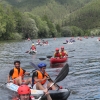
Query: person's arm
[
  {"x": 35, "y": 76},
  {"x": 9, "y": 76},
  {"x": 66, "y": 53},
  {"x": 54, "y": 55},
  {"x": 8, "y": 79},
  {"x": 26, "y": 73},
  {"x": 35, "y": 47}
]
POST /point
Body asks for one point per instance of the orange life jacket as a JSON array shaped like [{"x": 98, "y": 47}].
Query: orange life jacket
[
  {"x": 41, "y": 76},
  {"x": 57, "y": 55},
  {"x": 63, "y": 53},
  {"x": 16, "y": 74}
]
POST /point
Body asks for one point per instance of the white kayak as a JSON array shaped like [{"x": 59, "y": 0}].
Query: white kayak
[
  {"x": 70, "y": 43},
  {"x": 42, "y": 44},
  {"x": 61, "y": 94},
  {"x": 32, "y": 52}
]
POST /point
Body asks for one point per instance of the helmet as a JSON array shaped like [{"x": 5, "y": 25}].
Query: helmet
[
  {"x": 32, "y": 44},
  {"x": 24, "y": 89},
  {"x": 40, "y": 65},
  {"x": 57, "y": 49},
  {"x": 62, "y": 47}
]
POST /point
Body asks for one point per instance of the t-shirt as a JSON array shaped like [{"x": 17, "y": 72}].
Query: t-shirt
[{"x": 12, "y": 71}]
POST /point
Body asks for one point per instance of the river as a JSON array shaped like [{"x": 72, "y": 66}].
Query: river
[{"x": 83, "y": 79}]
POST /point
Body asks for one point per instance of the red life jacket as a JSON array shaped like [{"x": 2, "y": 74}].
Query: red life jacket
[
  {"x": 33, "y": 48},
  {"x": 57, "y": 55},
  {"x": 63, "y": 53}
]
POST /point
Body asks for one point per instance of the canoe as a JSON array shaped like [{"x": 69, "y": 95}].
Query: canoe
[
  {"x": 58, "y": 60},
  {"x": 61, "y": 94}
]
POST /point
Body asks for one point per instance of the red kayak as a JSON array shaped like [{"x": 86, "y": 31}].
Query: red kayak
[{"x": 58, "y": 60}]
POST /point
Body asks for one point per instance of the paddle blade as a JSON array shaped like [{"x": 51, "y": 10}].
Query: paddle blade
[
  {"x": 70, "y": 56},
  {"x": 27, "y": 52},
  {"x": 49, "y": 56},
  {"x": 36, "y": 67},
  {"x": 71, "y": 50},
  {"x": 42, "y": 58},
  {"x": 63, "y": 73},
  {"x": 64, "y": 43}
]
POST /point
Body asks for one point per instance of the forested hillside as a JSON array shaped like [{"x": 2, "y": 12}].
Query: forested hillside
[
  {"x": 48, "y": 18},
  {"x": 55, "y": 9}
]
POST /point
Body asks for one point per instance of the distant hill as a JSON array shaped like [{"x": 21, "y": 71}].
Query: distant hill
[
  {"x": 51, "y": 18},
  {"x": 55, "y": 9},
  {"x": 87, "y": 17}
]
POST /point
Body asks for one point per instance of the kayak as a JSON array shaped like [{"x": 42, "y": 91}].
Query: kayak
[
  {"x": 39, "y": 43},
  {"x": 61, "y": 94},
  {"x": 98, "y": 39},
  {"x": 70, "y": 43},
  {"x": 58, "y": 60},
  {"x": 32, "y": 52},
  {"x": 42, "y": 44}
]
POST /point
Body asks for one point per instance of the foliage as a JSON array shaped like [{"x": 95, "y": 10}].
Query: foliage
[
  {"x": 48, "y": 18},
  {"x": 71, "y": 31},
  {"x": 87, "y": 17}
]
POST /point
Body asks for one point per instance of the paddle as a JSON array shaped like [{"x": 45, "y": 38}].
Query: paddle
[
  {"x": 27, "y": 52},
  {"x": 64, "y": 43},
  {"x": 49, "y": 56},
  {"x": 42, "y": 58},
  {"x": 45, "y": 58},
  {"x": 63, "y": 73},
  {"x": 71, "y": 50}
]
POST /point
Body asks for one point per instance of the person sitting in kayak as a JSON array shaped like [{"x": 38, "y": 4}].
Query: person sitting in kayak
[
  {"x": 33, "y": 47},
  {"x": 63, "y": 52},
  {"x": 57, "y": 53},
  {"x": 46, "y": 42},
  {"x": 66, "y": 41},
  {"x": 38, "y": 41},
  {"x": 41, "y": 81},
  {"x": 24, "y": 93},
  {"x": 17, "y": 74}
]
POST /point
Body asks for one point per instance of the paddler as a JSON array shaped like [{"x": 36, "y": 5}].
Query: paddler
[
  {"x": 57, "y": 53},
  {"x": 16, "y": 74},
  {"x": 24, "y": 93},
  {"x": 41, "y": 81},
  {"x": 63, "y": 52},
  {"x": 33, "y": 47},
  {"x": 38, "y": 41}
]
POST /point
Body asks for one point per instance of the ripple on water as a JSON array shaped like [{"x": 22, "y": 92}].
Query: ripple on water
[{"x": 83, "y": 79}]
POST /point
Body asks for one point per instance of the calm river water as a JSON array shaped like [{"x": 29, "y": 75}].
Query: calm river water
[{"x": 83, "y": 79}]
